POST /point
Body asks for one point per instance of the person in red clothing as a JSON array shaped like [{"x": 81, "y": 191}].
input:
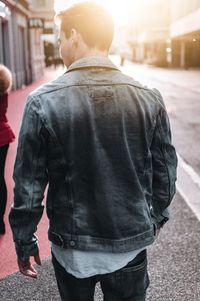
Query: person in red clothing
[{"x": 6, "y": 137}]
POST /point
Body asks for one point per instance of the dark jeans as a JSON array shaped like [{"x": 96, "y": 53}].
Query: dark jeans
[
  {"x": 3, "y": 189},
  {"x": 127, "y": 284}
]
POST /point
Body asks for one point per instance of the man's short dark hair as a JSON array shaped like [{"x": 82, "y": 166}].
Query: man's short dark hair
[{"x": 91, "y": 20}]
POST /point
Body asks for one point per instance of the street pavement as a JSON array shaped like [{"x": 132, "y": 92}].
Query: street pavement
[{"x": 174, "y": 260}]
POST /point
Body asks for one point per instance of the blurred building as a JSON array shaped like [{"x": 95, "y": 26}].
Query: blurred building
[
  {"x": 165, "y": 32},
  {"x": 149, "y": 27},
  {"x": 44, "y": 10},
  {"x": 14, "y": 42},
  {"x": 120, "y": 44},
  {"x": 22, "y": 23},
  {"x": 185, "y": 33}
]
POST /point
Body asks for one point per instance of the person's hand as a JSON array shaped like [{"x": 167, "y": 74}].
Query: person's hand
[{"x": 27, "y": 269}]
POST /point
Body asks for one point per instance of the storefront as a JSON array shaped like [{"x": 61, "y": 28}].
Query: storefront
[
  {"x": 22, "y": 25},
  {"x": 186, "y": 51},
  {"x": 14, "y": 49},
  {"x": 185, "y": 33}
]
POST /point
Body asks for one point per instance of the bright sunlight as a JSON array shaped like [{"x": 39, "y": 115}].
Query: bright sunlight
[{"x": 118, "y": 9}]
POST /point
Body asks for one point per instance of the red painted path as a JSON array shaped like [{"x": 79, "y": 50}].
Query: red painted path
[{"x": 17, "y": 100}]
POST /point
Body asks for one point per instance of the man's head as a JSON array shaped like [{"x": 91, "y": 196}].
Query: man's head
[
  {"x": 86, "y": 28},
  {"x": 5, "y": 79}
]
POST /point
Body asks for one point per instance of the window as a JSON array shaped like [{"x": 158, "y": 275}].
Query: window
[{"x": 41, "y": 3}]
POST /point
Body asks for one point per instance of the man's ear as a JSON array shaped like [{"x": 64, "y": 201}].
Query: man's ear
[{"x": 74, "y": 36}]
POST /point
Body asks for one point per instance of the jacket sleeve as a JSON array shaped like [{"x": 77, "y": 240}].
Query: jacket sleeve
[
  {"x": 30, "y": 179},
  {"x": 164, "y": 165}
]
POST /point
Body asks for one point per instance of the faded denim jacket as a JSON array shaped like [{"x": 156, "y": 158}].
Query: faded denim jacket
[{"x": 102, "y": 143}]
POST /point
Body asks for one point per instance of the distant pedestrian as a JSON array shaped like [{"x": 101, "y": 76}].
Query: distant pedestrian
[
  {"x": 122, "y": 59},
  {"x": 6, "y": 137},
  {"x": 102, "y": 142}
]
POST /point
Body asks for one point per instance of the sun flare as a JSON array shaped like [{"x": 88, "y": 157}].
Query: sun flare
[{"x": 117, "y": 8}]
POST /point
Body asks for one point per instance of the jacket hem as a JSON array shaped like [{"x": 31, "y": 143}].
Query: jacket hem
[{"x": 88, "y": 243}]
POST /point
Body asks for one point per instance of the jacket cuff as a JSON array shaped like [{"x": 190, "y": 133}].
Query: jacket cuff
[
  {"x": 26, "y": 249},
  {"x": 160, "y": 219}
]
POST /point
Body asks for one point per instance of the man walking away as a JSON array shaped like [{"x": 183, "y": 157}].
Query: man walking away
[{"x": 102, "y": 142}]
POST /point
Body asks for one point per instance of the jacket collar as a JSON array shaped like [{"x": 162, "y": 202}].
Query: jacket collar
[{"x": 92, "y": 61}]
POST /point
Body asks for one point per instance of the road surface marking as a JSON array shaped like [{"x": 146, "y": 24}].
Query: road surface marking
[{"x": 188, "y": 186}]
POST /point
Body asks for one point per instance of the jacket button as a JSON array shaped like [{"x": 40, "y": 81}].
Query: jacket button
[{"x": 72, "y": 243}]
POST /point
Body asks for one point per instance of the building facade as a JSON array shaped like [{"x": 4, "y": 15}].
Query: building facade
[
  {"x": 44, "y": 10},
  {"x": 14, "y": 45},
  {"x": 22, "y": 24},
  {"x": 185, "y": 33},
  {"x": 165, "y": 32},
  {"x": 149, "y": 31}
]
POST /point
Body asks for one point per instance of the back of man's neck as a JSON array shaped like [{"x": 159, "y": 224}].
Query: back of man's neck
[{"x": 91, "y": 53}]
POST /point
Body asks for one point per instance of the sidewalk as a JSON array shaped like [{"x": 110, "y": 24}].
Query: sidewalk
[{"x": 174, "y": 264}]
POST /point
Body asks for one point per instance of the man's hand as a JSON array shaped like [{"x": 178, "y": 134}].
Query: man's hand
[{"x": 27, "y": 269}]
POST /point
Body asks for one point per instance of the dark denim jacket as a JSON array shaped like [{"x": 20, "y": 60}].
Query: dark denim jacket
[{"x": 102, "y": 142}]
